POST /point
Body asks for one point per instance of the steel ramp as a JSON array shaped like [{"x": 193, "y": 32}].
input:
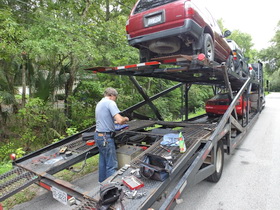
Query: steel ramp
[
  {"x": 14, "y": 181},
  {"x": 87, "y": 204}
]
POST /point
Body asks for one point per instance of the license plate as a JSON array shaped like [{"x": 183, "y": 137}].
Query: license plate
[
  {"x": 59, "y": 195},
  {"x": 154, "y": 20}
]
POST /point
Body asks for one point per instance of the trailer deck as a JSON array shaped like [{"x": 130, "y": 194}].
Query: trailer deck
[{"x": 195, "y": 135}]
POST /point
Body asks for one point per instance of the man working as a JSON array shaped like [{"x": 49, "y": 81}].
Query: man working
[{"x": 107, "y": 114}]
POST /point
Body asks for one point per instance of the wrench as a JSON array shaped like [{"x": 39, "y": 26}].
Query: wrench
[
  {"x": 119, "y": 172},
  {"x": 115, "y": 175}
]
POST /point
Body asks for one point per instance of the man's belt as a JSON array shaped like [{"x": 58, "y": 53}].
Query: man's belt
[{"x": 105, "y": 133}]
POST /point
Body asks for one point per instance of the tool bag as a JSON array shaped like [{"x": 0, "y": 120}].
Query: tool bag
[
  {"x": 109, "y": 194},
  {"x": 155, "y": 167}
]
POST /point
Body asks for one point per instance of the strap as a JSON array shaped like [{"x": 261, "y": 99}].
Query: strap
[
  {"x": 146, "y": 173},
  {"x": 121, "y": 199}
]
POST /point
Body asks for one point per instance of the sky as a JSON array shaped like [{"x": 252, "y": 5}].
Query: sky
[{"x": 257, "y": 18}]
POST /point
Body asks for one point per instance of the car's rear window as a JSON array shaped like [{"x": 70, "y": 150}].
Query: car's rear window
[
  {"x": 144, "y": 5},
  {"x": 232, "y": 46},
  {"x": 220, "y": 97}
]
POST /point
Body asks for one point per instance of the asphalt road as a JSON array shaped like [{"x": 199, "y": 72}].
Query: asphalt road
[
  {"x": 250, "y": 180},
  {"x": 251, "y": 176}
]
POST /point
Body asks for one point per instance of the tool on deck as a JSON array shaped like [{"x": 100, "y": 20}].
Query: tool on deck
[
  {"x": 132, "y": 182},
  {"x": 134, "y": 194},
  {"x": 62, "y": 150},
  {"x": 168, "y": 150},
  {"x": 119, "y": 172}
]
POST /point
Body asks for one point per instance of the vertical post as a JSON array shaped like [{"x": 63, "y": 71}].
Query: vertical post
[
  {"x": 228, "y": 85},
  {"x": 187, "y": 88},
  {"x": 23, "y": 78}
]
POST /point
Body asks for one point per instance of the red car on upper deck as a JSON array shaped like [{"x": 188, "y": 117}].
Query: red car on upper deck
[{"x": 168, "y": 27}]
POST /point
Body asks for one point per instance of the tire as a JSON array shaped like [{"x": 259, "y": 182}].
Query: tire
[
  {"x": 219, "y": 163},
  {"x": 241, "y": 73},
  {"x": 208, "y": 47},
  {"x": 230, "y": 64}
]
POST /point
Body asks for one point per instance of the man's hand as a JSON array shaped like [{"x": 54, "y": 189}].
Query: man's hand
[
  {"x": 120, "y": 119},
  {"x": 126, "y": 119}
]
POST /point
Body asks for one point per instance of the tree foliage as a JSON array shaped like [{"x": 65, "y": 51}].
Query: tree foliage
[
  {"x": 46, "y": 45},
  {"x": 243, "y": 40},
  {"x": 271, "y": 57}
]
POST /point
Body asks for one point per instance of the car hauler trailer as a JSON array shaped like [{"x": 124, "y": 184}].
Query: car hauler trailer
[{"x": 206, "y": 139}]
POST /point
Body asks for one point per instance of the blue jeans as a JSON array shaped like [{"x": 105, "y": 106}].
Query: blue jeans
[{"x": 108, "y": 163}]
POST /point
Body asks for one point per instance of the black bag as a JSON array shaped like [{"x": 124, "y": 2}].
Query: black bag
[
  {"x": 155, "y": 167},
  {"x": 109, "y": 194}
]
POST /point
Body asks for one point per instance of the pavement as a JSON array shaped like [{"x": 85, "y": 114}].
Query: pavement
[{"x": 251, "y": 175}]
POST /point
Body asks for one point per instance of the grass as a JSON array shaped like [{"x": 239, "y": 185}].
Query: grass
[
  {"x": 5, "y": 167},
  {"x": 23, "y": 196},
  {"x": 197, "y": 113},
  {"x": 69, "y": 174}
]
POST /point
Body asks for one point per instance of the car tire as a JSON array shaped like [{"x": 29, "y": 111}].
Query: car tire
[
  {"x": 219, "y": 163},
  {"x": 208, "y": 47},
  {"x": 230, "y": 64}
]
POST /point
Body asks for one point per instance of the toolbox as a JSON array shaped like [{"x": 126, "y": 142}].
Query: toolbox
[
  {"x": 132, "y": 182},
  {"x": 126, "y": 153}
]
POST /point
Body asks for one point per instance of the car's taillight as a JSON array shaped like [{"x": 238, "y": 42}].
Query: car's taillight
[
  {"x": 189, "y": 9},
  {"x": 126, "y": 26},
  {"x": 234, "y": 56},
  {"x": 13, "y": 156}
]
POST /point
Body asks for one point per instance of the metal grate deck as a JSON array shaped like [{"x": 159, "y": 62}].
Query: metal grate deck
[
  {"x": 78, "y": 146},
  {"x": 87, "y": 204},
  {"x": 193, "y": 134},
  {"x": 14, "y": 181}
]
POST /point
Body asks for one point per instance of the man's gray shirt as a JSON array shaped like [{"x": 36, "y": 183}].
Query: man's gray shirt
[{"x": 105, "y": 111}]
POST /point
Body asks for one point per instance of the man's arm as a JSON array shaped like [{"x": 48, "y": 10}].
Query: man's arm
[{"x": 120, "y": 119}]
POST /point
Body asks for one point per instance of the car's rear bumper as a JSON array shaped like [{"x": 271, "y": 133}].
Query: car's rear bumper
[
  {"x": 190, "y": 28},
  {"x": 220, "y": 110}
]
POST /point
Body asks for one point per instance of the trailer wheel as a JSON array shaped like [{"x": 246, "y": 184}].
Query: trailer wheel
[
  {"x": 219, "y": 164},
  {"x": 208, "y": 47}
]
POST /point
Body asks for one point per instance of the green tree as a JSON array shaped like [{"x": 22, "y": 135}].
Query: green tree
[
  {"x": 244, "y": 41},
  {"x": 271, "y": 57}
]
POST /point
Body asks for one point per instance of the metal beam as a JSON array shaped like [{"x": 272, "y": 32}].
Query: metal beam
[
  {"x": 228, "y": 85},
  {"x": 187, "y": 88},
  {"x": 142, "y": 103},
  {"x": 146, "y": 97},
  {"x": 236, "y": 124}
]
